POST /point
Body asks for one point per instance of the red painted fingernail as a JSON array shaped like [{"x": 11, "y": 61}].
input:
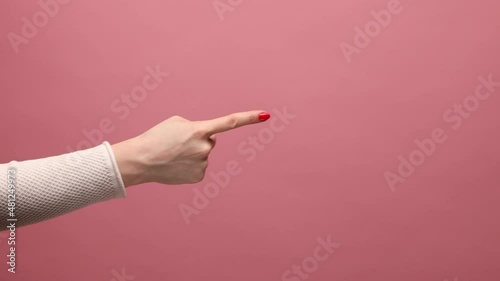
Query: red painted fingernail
[{"x": 263, "y": 116}]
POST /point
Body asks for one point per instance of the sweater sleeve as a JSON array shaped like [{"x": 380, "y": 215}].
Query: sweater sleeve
[{"x": 49, "y": 187}]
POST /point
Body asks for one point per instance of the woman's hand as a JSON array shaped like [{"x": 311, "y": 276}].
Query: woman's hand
[{"x": 176, "y": 150}]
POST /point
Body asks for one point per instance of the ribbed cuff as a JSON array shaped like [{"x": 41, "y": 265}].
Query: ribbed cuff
[{"x": 118, "y": 184}]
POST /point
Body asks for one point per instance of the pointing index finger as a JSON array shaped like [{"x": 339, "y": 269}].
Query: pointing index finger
[{"x": 235, "y": 120}]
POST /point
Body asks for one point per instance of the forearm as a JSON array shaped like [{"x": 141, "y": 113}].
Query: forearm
[
  {"x": 174, "y": 151},
  {"x": 49, "y": 187}
]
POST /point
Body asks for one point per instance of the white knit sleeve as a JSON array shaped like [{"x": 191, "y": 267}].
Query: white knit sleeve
[{"x": 49, "y": 187}]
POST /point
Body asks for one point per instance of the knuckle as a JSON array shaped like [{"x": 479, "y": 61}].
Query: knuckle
[
  {"x": 198, "y": 177},
  {"x": 205, "y": 148},
  {"x": 232, "y": 121},
  {"x": 176, "y": 118}
]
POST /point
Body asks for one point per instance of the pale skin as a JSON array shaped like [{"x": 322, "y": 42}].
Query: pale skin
[{"x": 176, "y": 150}]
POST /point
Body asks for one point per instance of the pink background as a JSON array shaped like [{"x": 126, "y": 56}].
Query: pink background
[{"x": 323, "y": 175}]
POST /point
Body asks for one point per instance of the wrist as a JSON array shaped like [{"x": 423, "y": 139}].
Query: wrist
[{"x": 129, "y": 161}]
